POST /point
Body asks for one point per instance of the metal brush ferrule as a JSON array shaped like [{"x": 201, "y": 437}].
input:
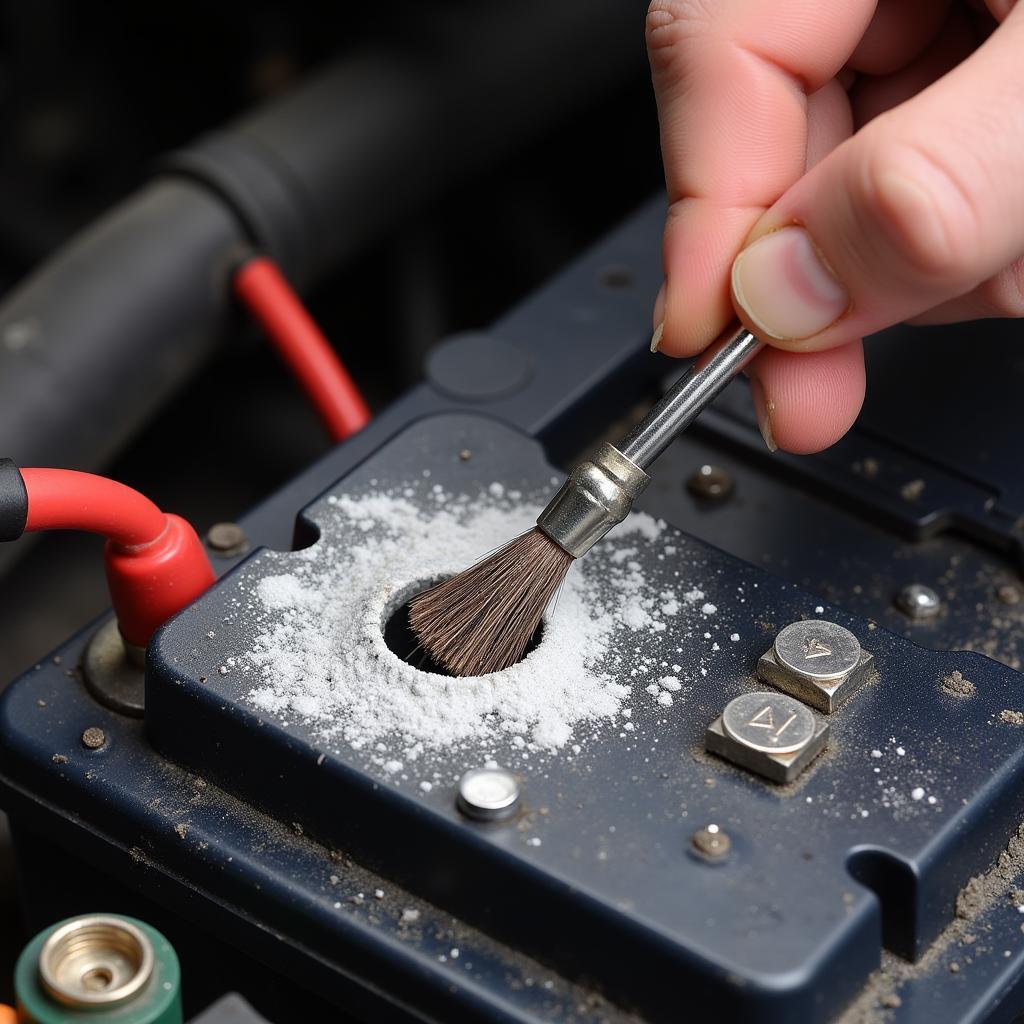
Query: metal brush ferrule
[{"x": 597, "y": 495}]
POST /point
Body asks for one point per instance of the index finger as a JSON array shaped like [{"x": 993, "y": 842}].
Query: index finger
[{"x": 732, "y": 79}]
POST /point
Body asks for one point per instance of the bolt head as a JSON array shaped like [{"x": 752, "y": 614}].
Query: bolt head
[
  {"x": 488, "y": 794},
  {"x": 711, "y": 842},
  {"x": 918, "y": 601},
  {"x": 93, "y": 738},
  {"x": 226, "y": 539},
  {"x": 712, "y": 482}
]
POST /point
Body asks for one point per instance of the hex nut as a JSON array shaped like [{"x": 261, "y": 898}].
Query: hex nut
[
  {"x": 818, "y": 662},
  {"x": 769, "y": 733}
]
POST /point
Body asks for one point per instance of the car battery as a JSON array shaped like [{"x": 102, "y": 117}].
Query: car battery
[{"x": 705, "y": 789}]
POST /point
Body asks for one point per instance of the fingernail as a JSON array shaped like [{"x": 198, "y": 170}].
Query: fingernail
[
  {"x": 656, "y": 336},
  {"x": 659, "y": 316},
  {"x": 784, "y": 286},
  {"x": 763, "y": 410}
]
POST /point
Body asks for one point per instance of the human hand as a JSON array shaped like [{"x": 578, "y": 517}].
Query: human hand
[{"x": 835, "y": 167}]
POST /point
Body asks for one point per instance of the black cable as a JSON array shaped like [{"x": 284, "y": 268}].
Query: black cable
[{"x": 13, "y": 501}]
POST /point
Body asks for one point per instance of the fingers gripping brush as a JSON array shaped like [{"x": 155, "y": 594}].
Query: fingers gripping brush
[{"x": 482, "y": 620}]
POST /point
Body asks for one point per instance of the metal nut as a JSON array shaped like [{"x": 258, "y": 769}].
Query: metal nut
[
  {"x": 819, "y": 662},
  {"x": 769, "y": 733}
]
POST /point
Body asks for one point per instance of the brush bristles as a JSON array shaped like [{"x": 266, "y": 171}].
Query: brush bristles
[{"x": 483, "y": 619}]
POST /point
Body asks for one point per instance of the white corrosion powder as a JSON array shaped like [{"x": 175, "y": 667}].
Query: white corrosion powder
[{"x": 319, "y": 653}]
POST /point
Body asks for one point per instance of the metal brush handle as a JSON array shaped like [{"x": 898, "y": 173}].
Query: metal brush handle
[
  {"x": 702, "y": 383},
  {"x": 600, "y": 491}
]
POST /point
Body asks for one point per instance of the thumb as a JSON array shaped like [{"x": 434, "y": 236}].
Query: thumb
[{"x": 920, "y": 206}]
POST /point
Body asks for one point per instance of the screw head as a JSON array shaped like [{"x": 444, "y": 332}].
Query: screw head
[
  {"x": 226, "y": 539},
  {"x": 465, "y": 455},
  {"x": 488, "y": 794},
  {"x": 918, "y": 601},
  {"x": 711, "y": 842},
  {"x": 93, "y": 738},
  {"x": 711, "y": 482}
]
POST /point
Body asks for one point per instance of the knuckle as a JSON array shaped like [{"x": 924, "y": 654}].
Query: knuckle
[
  {"x": 673, "y": 22},
  {"x": 923, "y": 210}
]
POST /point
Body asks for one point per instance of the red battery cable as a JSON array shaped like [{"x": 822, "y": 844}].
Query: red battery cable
[
  {"x": 270, "y": 299},
  {"x": 156, "y": 564}
]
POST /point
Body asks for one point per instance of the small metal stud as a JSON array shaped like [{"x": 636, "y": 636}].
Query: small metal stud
[
  {"x": 226, "y": 539},
  {"x": 918, "y": 601},
  {"x": 93, "y": 738},
  {"x": 488, "y": 794},
  {"x": 712, "y": 482},
  {"x": 711, "y": 842}
]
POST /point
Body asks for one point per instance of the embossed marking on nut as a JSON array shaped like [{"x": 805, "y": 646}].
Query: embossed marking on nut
[
  {"x": 769, "y": 722},
  {"x": 817, "y": 650},
  {"x": 767, "y": 732},
  {"x": 818, "y": 662}
]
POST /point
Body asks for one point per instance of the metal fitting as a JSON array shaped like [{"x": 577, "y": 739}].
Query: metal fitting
[
  {"x": 918, "y": 601},
  {"x": 96, "y": 962},
  {"x": 710, "y": 842},
  {"x": 488, "y": 794},
  {"x": 768, "y": 733},
  {"x": 113, "y": 671},
  {"x": 818, "y": 662},
  {"x": 598, "y": 495}
]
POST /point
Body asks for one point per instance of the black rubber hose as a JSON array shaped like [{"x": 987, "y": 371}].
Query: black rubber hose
[
  {"x": 319, "y": 174},
  {"x": 106, "y": 330},
  {"x": 101, "y": 334}
]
